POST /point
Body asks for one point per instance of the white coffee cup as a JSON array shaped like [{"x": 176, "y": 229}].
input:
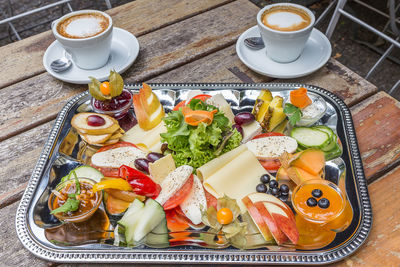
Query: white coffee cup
[
  {"x": 284, "y": 46},
  {"x": 89, "y": 49}
]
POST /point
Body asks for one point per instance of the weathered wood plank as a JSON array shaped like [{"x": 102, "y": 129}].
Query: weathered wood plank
[
  {"x": 225, "y": 66},
  {"x": 12, "y": 252},
  {"x": 162, "y": 50},
  {"x": 377, "y": 123},
  {"x": 23, "y": 59},
  {"x": 382, "y": 246},
  {"x": 21, "y": 153}
]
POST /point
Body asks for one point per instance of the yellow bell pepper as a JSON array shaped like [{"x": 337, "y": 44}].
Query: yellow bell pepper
[{"x": 114, "y": 183}]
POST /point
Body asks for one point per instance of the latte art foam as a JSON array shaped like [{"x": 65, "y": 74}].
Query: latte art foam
[
  {"x": 83, "y": 26},
  {"x": 286, "y": 19}
]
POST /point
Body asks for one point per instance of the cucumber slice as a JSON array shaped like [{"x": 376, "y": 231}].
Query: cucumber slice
[
  {"x": 84, "y": 172},
  {"x": 325, "y": 129},
  {"x": 130, "y": 219},
  {"x": 334, "y": 153},
  {"x": 159, "y": 236},
  {"x": 152, "y": 215},
  {"x": 309, "y": 137}
]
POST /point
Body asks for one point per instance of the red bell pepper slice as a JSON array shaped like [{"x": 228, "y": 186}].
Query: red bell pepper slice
[{"x": 141, "y": 184}]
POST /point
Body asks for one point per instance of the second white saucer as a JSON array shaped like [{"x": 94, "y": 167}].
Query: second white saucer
[
  {"x": 124, "y": 51},
  {"x": 315, "y": 54}
]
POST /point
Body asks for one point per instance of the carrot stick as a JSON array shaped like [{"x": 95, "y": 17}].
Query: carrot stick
[{"x": 299, "y": 98}]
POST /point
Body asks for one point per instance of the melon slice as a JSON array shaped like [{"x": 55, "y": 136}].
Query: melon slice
[{"x": 310, "y": 160}]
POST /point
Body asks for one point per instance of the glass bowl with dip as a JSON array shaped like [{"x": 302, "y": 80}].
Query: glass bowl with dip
[
  {"x": 312, "y": 108},
  {"x": 75, "y": 203}
]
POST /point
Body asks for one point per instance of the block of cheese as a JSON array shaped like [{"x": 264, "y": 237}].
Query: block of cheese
[
  {"x": 151, "y": 138},
  {"x": 159, "y": 169},
  {"x": 235, "y": 175},
  {"x": 250, "y": 130}
]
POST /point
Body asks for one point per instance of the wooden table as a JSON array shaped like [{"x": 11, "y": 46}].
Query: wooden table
[{"x": 188, "y": 41}]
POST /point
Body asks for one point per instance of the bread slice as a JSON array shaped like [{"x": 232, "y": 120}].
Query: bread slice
[
  {"x": 116, "y": 135},
  {"x": 111, "y": 141},
  {"x": 79, "y": 122},
  {"x": 95, "y": 139}
]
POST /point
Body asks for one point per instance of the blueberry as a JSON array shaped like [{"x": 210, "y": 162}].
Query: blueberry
[
  {"x": 311, "y": 202},
  {"x": 273, "y": 183},
  {"x": 265, "y": 179},
  {"x": 261, "y": 188},
  {"x": 284, "y": 188},
  {"x": 316, "y": 193},
  {"x": 275, "y": 191},
  {"x": 284, "y": 193},
  {"x": 269, "y": 192},
  {"x": 323, "y": 203},
  {"x": 284, "y": 198}
]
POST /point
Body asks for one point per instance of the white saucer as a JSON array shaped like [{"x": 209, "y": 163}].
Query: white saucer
[
  {"x": 315, "y": 54},
  {"x": 124, "y": 51}
]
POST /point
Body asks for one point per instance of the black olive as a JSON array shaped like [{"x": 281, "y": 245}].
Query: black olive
[
  {"x": 284, "y": 188},
  {"x": 261, "y": 188},
  {"x": 316, "y": 193},
  {"x": 273, "y": 183},
  {"x": 275, "y": 191},
  {"x": 323, "y": 203},
  {"x": 311, "y": 202},
  {"x": 265, "y": 179}
]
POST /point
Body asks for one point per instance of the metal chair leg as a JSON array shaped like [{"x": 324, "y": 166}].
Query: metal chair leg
[
  {"x": 335, "y": 18},
  {"x": 394, "y": 87},
  {"x": 108, "y": 4}
]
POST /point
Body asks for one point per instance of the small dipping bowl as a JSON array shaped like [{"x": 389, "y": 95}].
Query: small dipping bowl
[
  {"x": 74, "y": 217},
  {"x": 313, "y": 112},
  {"x": 106, "y": 107}
]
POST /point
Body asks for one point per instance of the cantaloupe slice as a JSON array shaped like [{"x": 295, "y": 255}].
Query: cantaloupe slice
[
  {"x": 310, "y": 160},
  {"x": 299, "y": 175},
  {"x": 282, "y": 174}
]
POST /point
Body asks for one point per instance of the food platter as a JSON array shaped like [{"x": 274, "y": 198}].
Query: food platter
[{"x": 54, "y": 163}]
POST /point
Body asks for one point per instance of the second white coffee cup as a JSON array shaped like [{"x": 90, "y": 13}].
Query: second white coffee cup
[
  {"x": 86, "y": 35},
  {"x": 285, "y": 45}
]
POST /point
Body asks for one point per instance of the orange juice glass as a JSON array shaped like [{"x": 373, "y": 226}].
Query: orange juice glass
[{"x": 318, "y": 226}]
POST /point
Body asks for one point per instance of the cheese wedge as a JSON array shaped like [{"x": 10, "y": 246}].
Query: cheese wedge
[
  {"x": 219, "y": 101},
  {"x": 161, "y": 168},
  {"x": 250, "y": 130},
  {"x": 272, "y": 146},
  {"x": 173, "y": 182},
  {"x": 195, "y": 202}
]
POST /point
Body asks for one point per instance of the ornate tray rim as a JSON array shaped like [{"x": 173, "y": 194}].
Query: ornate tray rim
[{"x": 200, "y": 256}]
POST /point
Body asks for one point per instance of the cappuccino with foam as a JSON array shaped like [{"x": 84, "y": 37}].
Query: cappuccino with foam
[
  {"x": 83, "y": 25},
  {"x": 286, "y": 18}
]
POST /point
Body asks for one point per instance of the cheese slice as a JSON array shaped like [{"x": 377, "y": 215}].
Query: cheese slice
[
  {"x": 250, "y": 130},
  {"x": 161, "y": 168},
  {"x": 114, "y": 158},
  {"x": 272, "y": 146},
  {"x": 208, "y": 169},
  {"x": 151, "y": 138},
  {"x": 236, "y": 179},
  {"x": 173, "y": 182},
  {"x": 195, "y": 202}
]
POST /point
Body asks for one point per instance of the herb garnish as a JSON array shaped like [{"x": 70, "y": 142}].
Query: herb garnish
[
  {"x": 294, "y": 113},
  {"x": 72, "y": 204}
]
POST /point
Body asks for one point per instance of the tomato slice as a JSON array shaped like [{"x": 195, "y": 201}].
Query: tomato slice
[
  {"x": 202, "y": 97},
  {"x": 119, "y": 144},
  {"x": 271, "y": 165},
  {"x": 179, "y": 105},
  {"x": 180, "y": 195},
  {"x": 267, "y": 135}
]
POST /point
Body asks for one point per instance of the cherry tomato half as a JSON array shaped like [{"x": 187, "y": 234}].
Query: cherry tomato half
[
  {"x": 179, "y": 105},
  {"x": 202, "y": 97},
  {"x": 271, "y": 165}
]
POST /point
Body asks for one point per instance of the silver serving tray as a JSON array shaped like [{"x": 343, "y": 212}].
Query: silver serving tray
[{"x": 53, "y": 164}]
